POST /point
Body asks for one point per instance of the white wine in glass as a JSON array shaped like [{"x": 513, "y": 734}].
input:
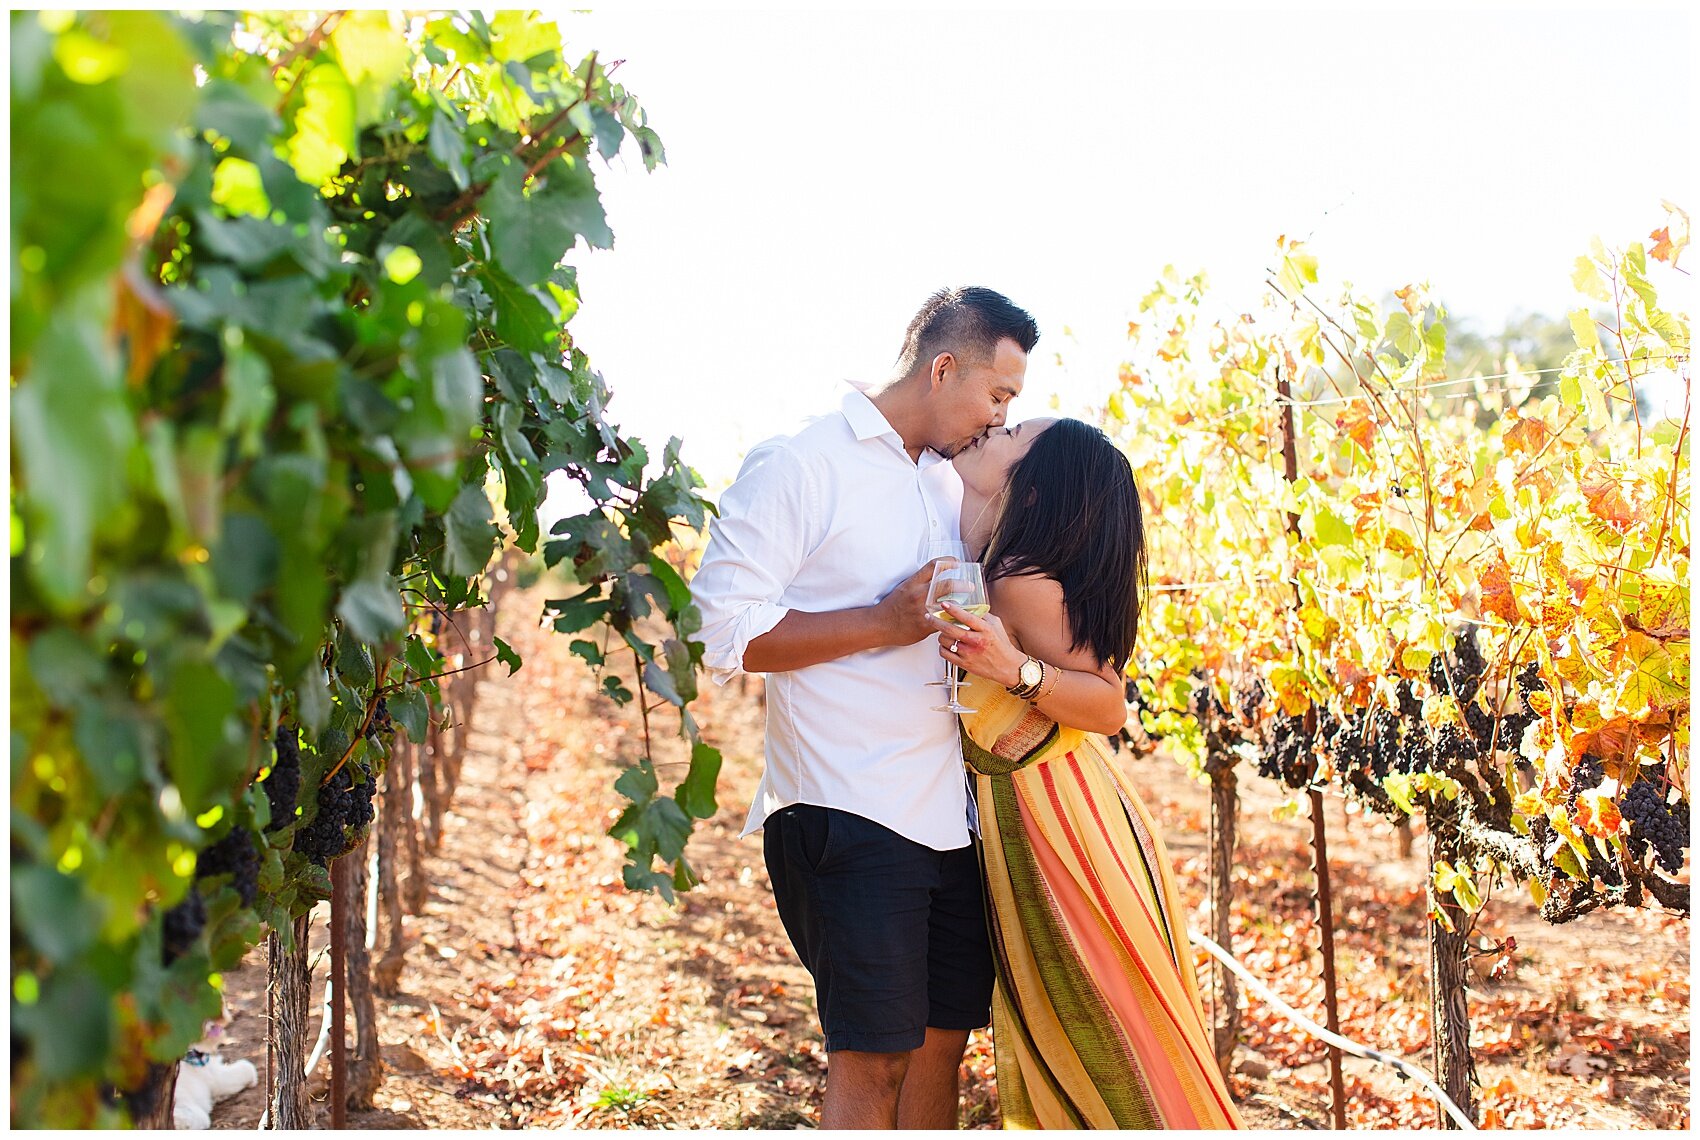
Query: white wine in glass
[
  {"x": 956, "y": 551},
  {"x": 964, "y": 585}
]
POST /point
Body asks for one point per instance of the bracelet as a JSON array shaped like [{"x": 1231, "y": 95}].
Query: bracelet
[{"x": 1048, "y": 683}]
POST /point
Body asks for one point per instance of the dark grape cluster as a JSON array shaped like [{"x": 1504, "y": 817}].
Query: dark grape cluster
[
  {"x": 1654, "y": 823},
  {"x": 234, "y": 855},
  {"x": 283, "y": 783},
  {"x": 1250, "y": 701},
  {"x": 345, "y": 809},
  {"x": 1289, "y": 757},
  {"x": 183, "y": 924},
  {"x": 382, "y": 724},
  {"x": 1587, "y": 774}
]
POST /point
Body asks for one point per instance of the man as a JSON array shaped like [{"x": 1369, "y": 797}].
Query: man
[{"x": 815, "y": 574}]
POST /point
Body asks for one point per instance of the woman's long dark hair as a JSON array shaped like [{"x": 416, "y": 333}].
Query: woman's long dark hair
[{"x": 1071, "y": 513}]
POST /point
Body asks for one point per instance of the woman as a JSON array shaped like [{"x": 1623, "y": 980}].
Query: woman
[{"x": 1096, "y": 1019}]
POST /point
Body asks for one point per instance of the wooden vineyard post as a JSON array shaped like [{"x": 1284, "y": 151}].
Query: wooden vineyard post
[
  {"x": 1325, "y": 925},
  {"x": 338, "y": 983},
  {"x": 414, "y": 887},
  {"x": 1324, "y": 896},
  {"x": 365, "y": 1068},
  {"x": 392, "y": 817},
  {"x": 1224, "y": 812},
  {"x": 1449, "y": 1005},
  {"x": 289, "y": 985}
]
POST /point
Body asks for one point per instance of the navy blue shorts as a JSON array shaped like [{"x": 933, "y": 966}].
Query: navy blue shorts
[{"x": 893, "y": 931}]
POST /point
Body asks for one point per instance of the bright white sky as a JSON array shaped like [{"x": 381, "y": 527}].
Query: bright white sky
[{"x": 827, "y": 171}]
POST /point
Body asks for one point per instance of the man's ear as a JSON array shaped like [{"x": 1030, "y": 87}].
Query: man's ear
[{"x": 943, "y": 364}]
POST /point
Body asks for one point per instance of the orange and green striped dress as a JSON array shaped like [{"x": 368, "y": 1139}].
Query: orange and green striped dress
[{"x": 1096, "y": 1020}]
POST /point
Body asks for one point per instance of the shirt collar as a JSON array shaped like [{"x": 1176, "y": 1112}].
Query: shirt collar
[{"x": 868, "y": 422}]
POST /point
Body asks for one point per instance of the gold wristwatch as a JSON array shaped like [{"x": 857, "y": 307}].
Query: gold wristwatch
[{"x": 1029, "y": 677}]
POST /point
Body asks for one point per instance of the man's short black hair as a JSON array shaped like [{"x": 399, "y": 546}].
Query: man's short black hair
[{"x": 968, "y": 321}]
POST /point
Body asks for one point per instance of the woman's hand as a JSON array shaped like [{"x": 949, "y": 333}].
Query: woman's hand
[{"x": 983, "y": 648}]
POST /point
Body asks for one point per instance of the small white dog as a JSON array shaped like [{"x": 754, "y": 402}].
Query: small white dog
[{"x": 203, "y": 1079}]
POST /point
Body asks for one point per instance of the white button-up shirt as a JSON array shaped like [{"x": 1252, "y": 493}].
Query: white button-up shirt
[{"x": 834, "y": 518}]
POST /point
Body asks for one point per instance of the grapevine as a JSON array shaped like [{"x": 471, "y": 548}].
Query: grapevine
[{"x": 292, "y": 359}]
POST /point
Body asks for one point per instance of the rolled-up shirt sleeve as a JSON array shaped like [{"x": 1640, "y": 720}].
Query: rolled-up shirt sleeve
[{"x": 755, "y": 548}]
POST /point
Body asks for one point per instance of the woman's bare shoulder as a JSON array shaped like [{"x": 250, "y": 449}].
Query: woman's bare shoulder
[
  {"x": 1027, "y": 593},
  {"x": 1032, "y": 608}
]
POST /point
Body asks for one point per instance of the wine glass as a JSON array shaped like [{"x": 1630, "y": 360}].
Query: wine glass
[
  {"x": 957, "y": 551},
  {"x": 963, "y": 584}
]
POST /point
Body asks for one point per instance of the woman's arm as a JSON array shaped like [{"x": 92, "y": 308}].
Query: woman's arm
[{"x": 1029, "y": 617}]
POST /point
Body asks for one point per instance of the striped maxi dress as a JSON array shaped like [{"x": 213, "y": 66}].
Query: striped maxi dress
[{"x": 1096, "y": 1019}]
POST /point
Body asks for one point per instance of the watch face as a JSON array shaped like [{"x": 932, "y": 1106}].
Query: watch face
[{"x": 1031, "y": 672}]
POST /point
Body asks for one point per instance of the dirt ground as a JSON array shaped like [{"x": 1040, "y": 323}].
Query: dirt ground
[{"x": 539, "y": 992}]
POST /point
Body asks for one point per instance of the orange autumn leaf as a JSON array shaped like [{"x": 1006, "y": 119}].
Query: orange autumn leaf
[
  {"x": 143, "y": 322},
  {"x": 1662, "y": 246},
  {"x": 1408, "y": 297},
  {"x": 1527, "y": 436},
  {"x": 1495, "y": 582},
  {"x": 1604, "y": 493},
  {"x": 1399, "y": 542},
  {"x": 1472, "y": 502},
  {"x": 1597, "y": 815},
  {"x": 1359, "y": 426},
  {"x": 1368, "y": 506},
  {"x": 1612, "y": 739}
]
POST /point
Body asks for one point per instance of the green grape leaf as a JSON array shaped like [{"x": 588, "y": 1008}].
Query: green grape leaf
[
  {"x": 471, "y": 534},
  {"x": 695, "y": 792}
]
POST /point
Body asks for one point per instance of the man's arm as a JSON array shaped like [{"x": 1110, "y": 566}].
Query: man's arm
[{"x": 802, "y": 638}]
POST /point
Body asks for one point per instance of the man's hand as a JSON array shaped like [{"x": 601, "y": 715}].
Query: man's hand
[
  {"x": 802, "y": 639},
  {"x": 904, "y": 611}
]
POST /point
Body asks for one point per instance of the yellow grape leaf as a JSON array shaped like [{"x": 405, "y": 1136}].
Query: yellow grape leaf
[
  {"x": 324, "y": 126},
  {"x": 1587, "y": 333},
  {"x": 1529, "y": 804},
  {"x": 1318, "y": 625},
  {"x": 373, "y": 55},
  {"x": 1565, "y": 859},
  {"x": 1411, "y": 298},
  {"x": 1398, "y": 789},
  {"x": 1291, "y": 691},
  {"x": 1537, "y": 891},
  {"x": 1650, "y": 672},
  {"x": 1663, "y": 612},
  {"x": 1588, "y": 280},
  {"x": 1464, "y": 890},
  {"x": 1441, "y": 709},
  {"x": 1297, "y": 270}
]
